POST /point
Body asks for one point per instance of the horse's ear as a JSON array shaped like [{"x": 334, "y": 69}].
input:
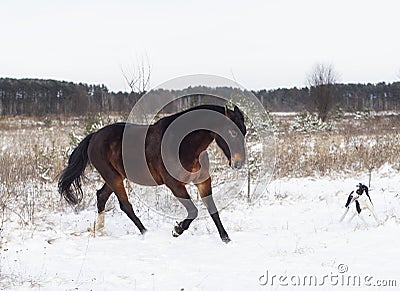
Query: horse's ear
[
  {"x": 237, "y": 111},
  {"x": 226, "y": 111}
]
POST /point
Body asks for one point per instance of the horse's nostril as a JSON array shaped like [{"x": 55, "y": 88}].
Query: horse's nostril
[{"x": 237, "y": 164}]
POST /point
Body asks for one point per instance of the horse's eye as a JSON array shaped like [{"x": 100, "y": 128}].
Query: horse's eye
[{"x": 233, "y": 133}]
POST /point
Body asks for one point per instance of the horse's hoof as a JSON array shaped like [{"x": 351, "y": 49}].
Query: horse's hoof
[
  {"x": 226, "y": 239},
  {"x": 96, "y": 228},
  {"x": 143, "y": 231},
  {"x": 177, "y": 231}
]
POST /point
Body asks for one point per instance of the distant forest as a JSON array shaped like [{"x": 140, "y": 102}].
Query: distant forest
[{"x": 41, "y": 97}]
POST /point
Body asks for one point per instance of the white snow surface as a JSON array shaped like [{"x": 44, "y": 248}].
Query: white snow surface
[{"x": 293, "y": 231}]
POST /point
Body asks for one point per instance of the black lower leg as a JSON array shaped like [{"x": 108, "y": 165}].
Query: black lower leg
[
  {"x": 102, "y": 196},
  {"x": 180, "y": 227},
  {"x": 192, "y": 214},
  {"x": 222, "y": 232},
  {"x": 126, "y": 207},
  {"x": 212, "y": 209}
]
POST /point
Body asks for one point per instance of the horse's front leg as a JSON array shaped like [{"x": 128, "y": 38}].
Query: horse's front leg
[
  {"x": 206, "y": 196},
  {"x": 180, "y": 192}
]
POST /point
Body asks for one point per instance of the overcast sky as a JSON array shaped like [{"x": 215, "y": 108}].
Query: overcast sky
[{"x": 262, "y": 44}]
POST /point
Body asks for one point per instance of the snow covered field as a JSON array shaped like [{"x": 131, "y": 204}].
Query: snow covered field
[{"x": 292, "y": 234}]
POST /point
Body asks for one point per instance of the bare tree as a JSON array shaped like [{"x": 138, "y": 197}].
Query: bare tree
[
  {"x": 321, "y": 81},
  {"x": 138, "y": 79}
]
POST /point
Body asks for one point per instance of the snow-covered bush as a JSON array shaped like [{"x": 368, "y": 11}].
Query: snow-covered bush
[
  {"x": 92, "y": 123},
  {"x": 306, "y": 122},
  {"x": 338, "y": 114},
  {"x": 364, "y": 114}
]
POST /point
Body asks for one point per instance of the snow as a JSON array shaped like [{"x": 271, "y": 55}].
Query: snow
[{"x": 292, "y": 231}]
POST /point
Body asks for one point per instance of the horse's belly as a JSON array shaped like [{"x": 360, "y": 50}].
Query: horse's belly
[{"x": 137, "y": 168}]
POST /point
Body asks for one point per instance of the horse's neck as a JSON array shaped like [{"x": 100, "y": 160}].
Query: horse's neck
[
  {"x": 209, "y": 138},
  {"x": 197, "y": 142}
]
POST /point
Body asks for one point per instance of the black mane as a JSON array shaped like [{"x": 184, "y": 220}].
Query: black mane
[{"x": 216, "y": 108}]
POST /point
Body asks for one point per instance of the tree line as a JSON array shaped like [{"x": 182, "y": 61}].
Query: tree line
[
  {"x": 41, "y": 97},
  {"x": 349, "y": 97}
]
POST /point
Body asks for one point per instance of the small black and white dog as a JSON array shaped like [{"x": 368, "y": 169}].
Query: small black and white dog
[{"x": 362, "y": 200}]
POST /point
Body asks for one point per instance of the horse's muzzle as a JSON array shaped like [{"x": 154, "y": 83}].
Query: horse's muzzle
[
  {"x": 237, "y": 161},
  {"x": 237, "y": 165}
]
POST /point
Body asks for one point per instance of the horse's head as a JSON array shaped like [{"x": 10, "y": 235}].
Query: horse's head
[{"x": 232, "y": 141}]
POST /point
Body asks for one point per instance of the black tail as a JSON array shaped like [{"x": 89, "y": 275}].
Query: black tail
[{"x": 71, "y": 176}]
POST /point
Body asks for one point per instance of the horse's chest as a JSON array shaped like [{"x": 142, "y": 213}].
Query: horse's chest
[{"x": 193, "y": 172}]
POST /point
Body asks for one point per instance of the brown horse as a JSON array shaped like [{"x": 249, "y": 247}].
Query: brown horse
[{"x": 144, "y": 155}]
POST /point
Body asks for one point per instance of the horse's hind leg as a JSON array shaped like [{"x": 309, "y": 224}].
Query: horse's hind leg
[
  {"x": 183, "y": 197},
  {"x": 102, "y": 196},
  {"x": 206, "y": 195},
  {"x": 115, "y": 183}
]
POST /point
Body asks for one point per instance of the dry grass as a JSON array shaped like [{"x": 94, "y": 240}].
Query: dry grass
[
  {"x": 32, "y": 154},
  {"x": 322, "y": 154},
  {"x": 355, "y": 146}
]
